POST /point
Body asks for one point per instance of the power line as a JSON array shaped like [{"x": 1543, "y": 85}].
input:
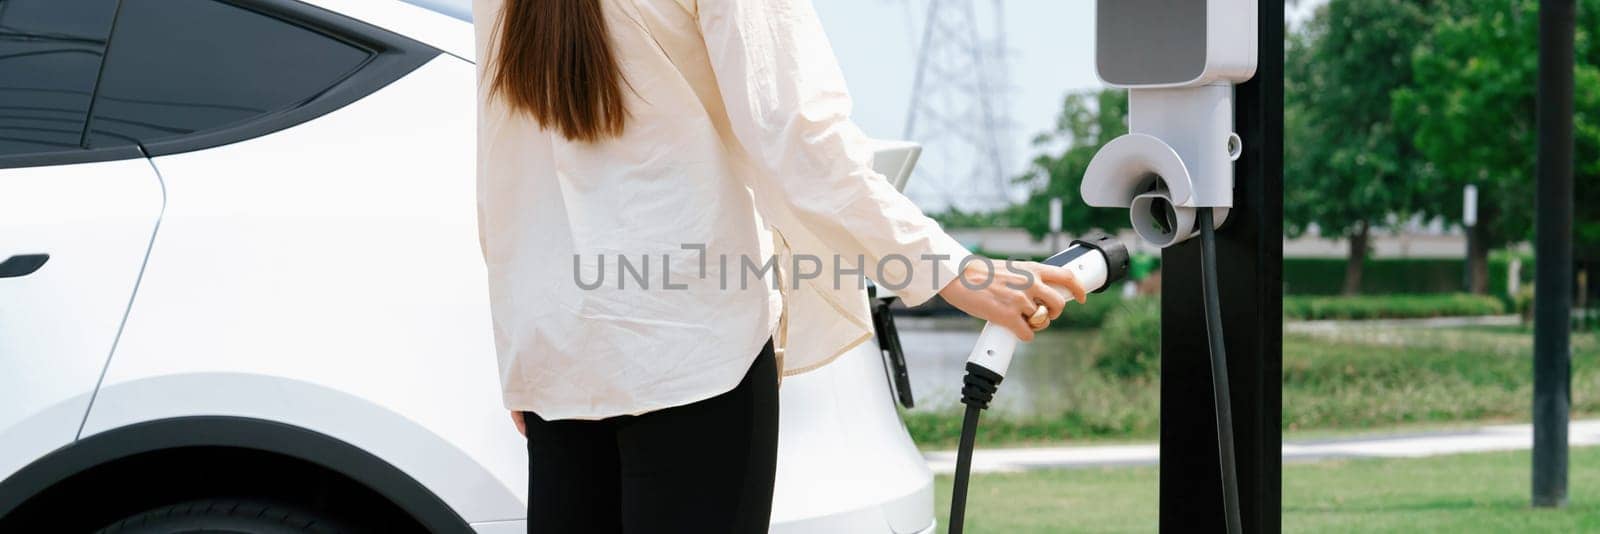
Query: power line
[{"x": 958, "y": 109}]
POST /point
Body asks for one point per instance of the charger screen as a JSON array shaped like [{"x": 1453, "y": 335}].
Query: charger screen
[{"x": 1150, "y": 42}]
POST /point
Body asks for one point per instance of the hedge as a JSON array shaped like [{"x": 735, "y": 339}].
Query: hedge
[
  {"x": 1391, "y": 306},
  {"x": 1325, "y": 276}
]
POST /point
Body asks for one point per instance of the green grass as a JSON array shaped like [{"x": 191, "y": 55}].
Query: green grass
[
  {"x": 1485, "y": 492},
  {"x": 1345, "y": 380},
  {"x": 1362, "y": 377}
]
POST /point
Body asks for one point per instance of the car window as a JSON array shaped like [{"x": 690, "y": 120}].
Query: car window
[
  {"x": 178, "y": 68},
  {"x": 49, "y": 55}
]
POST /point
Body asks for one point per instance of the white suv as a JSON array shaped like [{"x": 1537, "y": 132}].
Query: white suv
[{"x": 240, "y": 286}]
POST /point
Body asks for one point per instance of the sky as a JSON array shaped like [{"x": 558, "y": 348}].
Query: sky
[{"x": 1051, "y": 53}]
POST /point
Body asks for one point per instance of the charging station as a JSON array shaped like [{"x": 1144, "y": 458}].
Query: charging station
[
  {"x": 1203, "y": 158},
  {"x": 1205, "y": 154},
  {"x": 1205, "y": 82},
  {"x": 1179, "y": 59}
]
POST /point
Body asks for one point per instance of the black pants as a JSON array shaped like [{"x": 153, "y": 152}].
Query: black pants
[{"x": 701, "y": 467}]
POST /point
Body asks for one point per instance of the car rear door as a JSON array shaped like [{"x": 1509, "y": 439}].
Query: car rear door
[{"x": 76, "y": 221}]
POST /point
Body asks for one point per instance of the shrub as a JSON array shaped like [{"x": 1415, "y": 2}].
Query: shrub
[
  {"x": 1325, "y": 276},
  {"x": 1391, "y": 306},
  {"x": 1092, "y": 313},
  {"x": 1522, "y": 302},
  {"x": 1130, "y": 340}
]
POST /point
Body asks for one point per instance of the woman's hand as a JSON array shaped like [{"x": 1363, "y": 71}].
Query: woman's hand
[
  {"x": 522, "y": 426},
  {"x": 1011, "y": 294}
]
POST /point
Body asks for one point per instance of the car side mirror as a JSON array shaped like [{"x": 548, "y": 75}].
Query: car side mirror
[{"x": 895, "y": 159}]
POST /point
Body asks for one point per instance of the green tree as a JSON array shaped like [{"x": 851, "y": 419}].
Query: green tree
[
  {"x": 1350, "y": 168},
  {"x": 1088, "y": 120},
  {"x": 1471, "y": 114},
  {"x": 1586, "y": 164}
]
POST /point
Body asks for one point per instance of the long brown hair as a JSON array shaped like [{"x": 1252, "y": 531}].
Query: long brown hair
[{"x": 555, "y": 63}]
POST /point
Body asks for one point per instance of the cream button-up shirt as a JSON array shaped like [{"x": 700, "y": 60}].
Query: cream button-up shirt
[{"x": 632, "y": 274}]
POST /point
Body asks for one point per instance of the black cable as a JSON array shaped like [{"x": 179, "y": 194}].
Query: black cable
[
  {"x": 1219, "y": 372},
  {"x": 978, "y": 389},
  {"x": 958, "y": 491}
]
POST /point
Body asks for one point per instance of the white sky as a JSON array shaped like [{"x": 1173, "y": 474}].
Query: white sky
[
  {"x": 1051, "y": 44},
  {"x": 1052, "y": 52}
]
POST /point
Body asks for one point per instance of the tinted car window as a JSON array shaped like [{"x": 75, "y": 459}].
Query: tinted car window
[
  {"x": 181, "y": 67},
  {"x": 49, "y": 54}
]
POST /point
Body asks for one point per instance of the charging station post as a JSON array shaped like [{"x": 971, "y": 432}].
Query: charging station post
[
  {"x": 1203, "y": 157},
  {"x": 1204, "y": 146},
  {"x": 1552, "y": 300},
  {"x": 1250, "y": 278}
]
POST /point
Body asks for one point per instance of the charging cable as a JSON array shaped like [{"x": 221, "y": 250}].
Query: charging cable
[
  {"x": 1097, "y": 261},
  {"x": 1219, "y": 372}
]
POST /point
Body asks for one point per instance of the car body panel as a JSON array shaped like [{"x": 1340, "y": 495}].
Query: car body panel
[
  {"x": 340, "y": 254},
  {"x": 466, "y": 477},
  {"x": 846, "y": 463},
  {"x": 59, "y": 323}
]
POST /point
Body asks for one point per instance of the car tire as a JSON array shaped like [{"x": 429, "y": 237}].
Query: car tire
[{"x": 225, "y": 515}]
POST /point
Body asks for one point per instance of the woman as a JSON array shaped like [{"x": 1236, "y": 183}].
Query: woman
[{"x": 640, "y": 163}]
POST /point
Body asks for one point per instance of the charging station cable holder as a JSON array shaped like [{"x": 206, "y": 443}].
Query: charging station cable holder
[
  {"x": 1178, "y": 59},
  {"x": 1178, "y": 158}
]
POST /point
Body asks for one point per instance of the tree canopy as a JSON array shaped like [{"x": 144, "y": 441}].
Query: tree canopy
[
  {"x": 1347, "y": 162},
  {"x": 1470, "y": 111},
  {"x": 1349, "y": 167}
]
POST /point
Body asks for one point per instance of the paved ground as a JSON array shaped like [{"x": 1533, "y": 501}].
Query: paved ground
[
  {"x": 1312, "y": 327},
  {"x": 1410, "y": 445}
]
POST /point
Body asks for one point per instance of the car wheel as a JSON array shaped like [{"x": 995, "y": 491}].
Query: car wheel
[{"x": 224, "y": 515}]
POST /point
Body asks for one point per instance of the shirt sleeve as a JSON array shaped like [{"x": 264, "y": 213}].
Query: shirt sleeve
[{"x": 790, "y": 111}]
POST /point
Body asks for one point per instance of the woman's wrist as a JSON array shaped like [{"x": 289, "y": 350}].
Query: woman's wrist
[{"x": 939, "y": 267}]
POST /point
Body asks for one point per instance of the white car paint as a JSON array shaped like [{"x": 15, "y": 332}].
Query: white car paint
[
  {"x": 845, "y": 461},
  {"x": 328, "y": 276},
  {"x": 57, "y": 325},
  {"x": 339, "y": 255}
]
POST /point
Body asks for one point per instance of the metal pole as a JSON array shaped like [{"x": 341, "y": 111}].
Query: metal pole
[
  {"x": 1469, "y": 223},
  {"x": 1552, "y": 304},
  {"x": 1250, "y": 284},
  {"x": 922, "y": 64},
  {"x": 1055, "y": 223}
]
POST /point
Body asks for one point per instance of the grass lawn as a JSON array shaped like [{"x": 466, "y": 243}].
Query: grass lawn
[
  {"x": 1350, "y": 380},
  {"x": 1485, "y": 492}
]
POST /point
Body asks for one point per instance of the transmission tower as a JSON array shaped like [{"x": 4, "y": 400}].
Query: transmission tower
[{"x": 958, "y": 109}]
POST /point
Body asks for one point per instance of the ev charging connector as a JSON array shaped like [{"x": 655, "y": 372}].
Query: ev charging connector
[{"x": 1097, "y": 261}]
